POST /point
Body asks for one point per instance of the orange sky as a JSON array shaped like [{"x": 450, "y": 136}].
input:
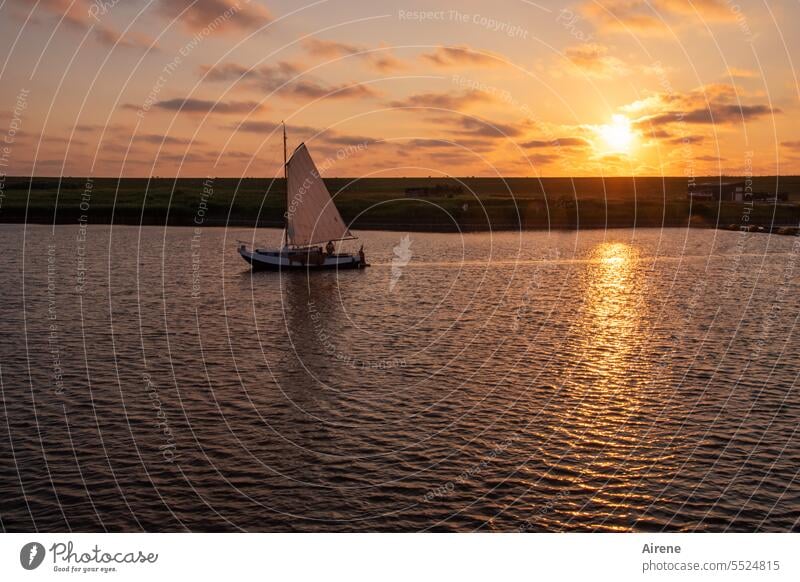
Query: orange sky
[{"x": 515, "y": 88}]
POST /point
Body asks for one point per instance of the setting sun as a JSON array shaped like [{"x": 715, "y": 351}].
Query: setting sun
[{"x": 618, "y": 135}]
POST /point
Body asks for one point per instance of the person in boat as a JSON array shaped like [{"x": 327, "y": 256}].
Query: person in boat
[{"x": 330, "y": 248}]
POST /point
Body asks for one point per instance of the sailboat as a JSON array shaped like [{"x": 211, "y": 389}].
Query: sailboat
[{"x": 312, "y": 220}]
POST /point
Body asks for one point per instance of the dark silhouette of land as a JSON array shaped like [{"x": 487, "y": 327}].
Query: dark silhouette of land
[{"x": 414, "y": 204}]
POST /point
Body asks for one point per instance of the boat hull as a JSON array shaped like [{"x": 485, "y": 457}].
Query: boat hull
[{"x": 261, "y": 260}]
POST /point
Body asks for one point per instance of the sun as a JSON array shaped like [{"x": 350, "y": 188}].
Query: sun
[{"x": 618, "y": 135}]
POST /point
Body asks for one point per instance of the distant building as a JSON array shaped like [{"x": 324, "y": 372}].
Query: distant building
[{"x": 732, "y": 192}]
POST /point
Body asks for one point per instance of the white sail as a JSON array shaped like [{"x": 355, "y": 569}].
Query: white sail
[{"x": 311, "y": 215}]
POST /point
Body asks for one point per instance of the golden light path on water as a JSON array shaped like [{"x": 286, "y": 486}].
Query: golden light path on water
[{"x": 610, "y": 383}]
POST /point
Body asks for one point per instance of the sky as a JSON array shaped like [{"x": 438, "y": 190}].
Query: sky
[{"x": 400, "y": 88}]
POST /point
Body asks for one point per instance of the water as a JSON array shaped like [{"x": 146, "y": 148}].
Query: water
[{"x": 594, "y": 381}]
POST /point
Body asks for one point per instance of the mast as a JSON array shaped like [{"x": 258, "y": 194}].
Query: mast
[
  {"x": 286, "y": 185},
  {"x": 284, "y": 153}
]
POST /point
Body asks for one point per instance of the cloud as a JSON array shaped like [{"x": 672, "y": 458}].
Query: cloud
[
  {"x": 50, "y": 140},
  {"x": 190, "y": 105},
  {"x": 330, "y": 48},
  {"x": 335, "y": 138},
  {"x": 387, "y": 63},
  {"x": 381, "y": 60},
  {"x": 315, "y": 90},
  {"x": 283, "y": 78},
  {"x": 560, "y": 142},
  {"x": 454, "y": 101},
  {"x": 459, "y": 56},
  {"x": 81, "y": 15},
  {"x": 328, "y": 136},
  {"x": 715, "y": 113},
  {"x": 272, "y": 76},
  {"x": 474, "y": 144},
  {"x": 656, "y": 133},
  {"x": 708, "y": 158},
  {"x": 222, "y": 15},
  {"x": 792, "y": 145},
  {"x": 709, "y": 9},
  {"x": 717, "y": 103},
  {"x": 166, "y": 139},
  {"x": 654, "y": 17},
  {"x": 429, "y": 143},
  {"x": 451, "y": 157},
  {"x": 740, "y": 73},
  {"x": 261, "y": 127},
  {"x": 238, "y": 155},
  {"x": 183, "y": 158},
  {"x": 110, "y": 37},
  {"x": 622, "y": 15},
  {"x": 477, "y": 127},
  {"x": 543, "y": 159},
  {"x": 593, "y": 60},
  {"x": 86, "y": 128},
  {"x": 687, "y": 140},
  {"x": 117, "y": 128}
]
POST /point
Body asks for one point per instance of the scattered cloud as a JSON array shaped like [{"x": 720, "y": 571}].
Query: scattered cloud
[
  {"x": 335, "y": 138},
  {"x": 474, "y": 144},
  {"x": 219, "y": 15},
  {"x": 381, "y": 60},
  {"x": 190, "y": 105},
  {"x": 593, "y": 60},
  {"x": 78, "y": 14},
  {"x": 715, "y": 113},
  {"x": 656, "y": 133},
  {"x": 166, "y": 139},
  {"x": 740, "y": 73},
  {"x": 623, "y": 15},
  {"x": 460, "y": 56},
  {"x": 387, "y": 63},
  {"x": 451, "y": 157},
  {"x": 314, "y": 90},
  {"x": 477, "y": 127},
  {"x": 543, "y": 159},
  {"x": 86, "y": 128},
  {"x": 57, "y": 140},
  {"x": 265, "y": 127},
  {"x": 654, "y": 17},
  {"x": 330, "y": 48},
  {"x": 687, "y": 140},
  {"x": 560, "y": 142},
  {"x": 716, "y": 103},
  {"x": 282, "y": 71},
  {"x": 429, "y": 143},
  {"x": 453, "y": 101},
  {"x": 328, "y": 136},
  {"x": 284, "y": 78},
  {"x": 709, "y": 9}
]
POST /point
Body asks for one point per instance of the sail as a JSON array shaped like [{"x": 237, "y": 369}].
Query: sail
[{"x": 311, "y": 215}]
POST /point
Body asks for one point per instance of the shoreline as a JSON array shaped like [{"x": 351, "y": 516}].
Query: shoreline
[
  {"x": 398, "y": 204},
  {"x": 779, "y": 229}
]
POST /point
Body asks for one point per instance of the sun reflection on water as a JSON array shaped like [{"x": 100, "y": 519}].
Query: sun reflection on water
[
  {"x": 612, "y": 311},
  {"x": 610, "y": 384}
]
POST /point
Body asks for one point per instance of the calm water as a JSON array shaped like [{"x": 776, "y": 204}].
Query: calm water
[{"x": 620, "y": 380}]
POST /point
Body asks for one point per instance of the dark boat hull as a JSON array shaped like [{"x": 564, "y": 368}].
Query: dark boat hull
[{"x": 280, "y": 261}]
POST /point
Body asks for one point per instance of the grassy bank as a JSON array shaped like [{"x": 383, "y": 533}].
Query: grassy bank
[{"x": 459, "y": 204}]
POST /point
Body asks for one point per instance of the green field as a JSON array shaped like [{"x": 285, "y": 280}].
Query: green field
[{"x": 381, "y": 203}]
